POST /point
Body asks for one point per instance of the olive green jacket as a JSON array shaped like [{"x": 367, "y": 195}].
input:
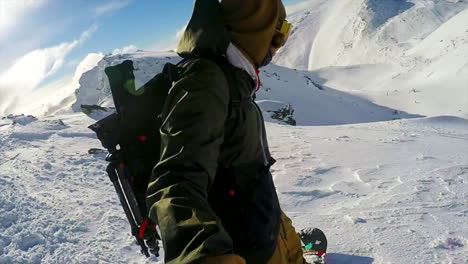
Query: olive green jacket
[{"x": 212, "y": 193}]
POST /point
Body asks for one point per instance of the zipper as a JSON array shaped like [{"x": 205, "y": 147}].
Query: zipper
[{"x": 262, "y": 129}]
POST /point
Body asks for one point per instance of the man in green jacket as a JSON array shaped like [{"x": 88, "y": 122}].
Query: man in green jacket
[{"x": 212, "y": 193}]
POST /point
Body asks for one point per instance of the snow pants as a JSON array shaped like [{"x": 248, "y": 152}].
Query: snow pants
[{"x": 289, "y": 248}]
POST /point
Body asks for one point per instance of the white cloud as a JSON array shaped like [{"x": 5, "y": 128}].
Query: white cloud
[
  {"x": 31, "y": 69},
  {"x": 111, "y": 6},
  {"x": 55, "y": 96},
  {"x": 88, "y": 63},
  {"x": 12, "y": 11},
  {"x": 127, "y": 49}
]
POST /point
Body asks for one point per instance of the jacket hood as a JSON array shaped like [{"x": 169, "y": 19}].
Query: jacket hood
[
  {"x": 205, "y": 34},
  {"x": 252, "y": 25}
]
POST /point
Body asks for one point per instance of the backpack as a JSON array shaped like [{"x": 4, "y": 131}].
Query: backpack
[{"x": 131, "y": 136}]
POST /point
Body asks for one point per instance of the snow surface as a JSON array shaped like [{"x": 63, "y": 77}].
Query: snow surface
[
  {"x": 383, "y": 192},
  {"x": 378, "y": 159}
]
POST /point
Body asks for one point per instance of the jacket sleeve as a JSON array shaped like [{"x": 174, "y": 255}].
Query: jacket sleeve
[{"x": 191, "y": 135}]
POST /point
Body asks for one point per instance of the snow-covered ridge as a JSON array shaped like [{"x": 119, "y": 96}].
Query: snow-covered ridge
[
  {"x": 94, "y": 86},
  {"x": 353, "y": 32},
  {"x": 282, "y": 88}
]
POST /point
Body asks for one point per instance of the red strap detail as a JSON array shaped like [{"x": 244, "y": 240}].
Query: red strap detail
[
  {"x": 257, "y": 71},
  {"x": 143, "y": 227},
  {"x": 122, "y": 165},
  {"x": 321, "y": 253},
  {"x": 232, "y": 192},
  {"x": 143, "y": 138}
]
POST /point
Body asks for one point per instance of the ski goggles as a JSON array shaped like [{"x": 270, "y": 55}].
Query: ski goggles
[{"x": 283, "y": 27}]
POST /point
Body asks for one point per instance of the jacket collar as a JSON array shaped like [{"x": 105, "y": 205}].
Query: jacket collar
[{"x": 238, "y": 59}]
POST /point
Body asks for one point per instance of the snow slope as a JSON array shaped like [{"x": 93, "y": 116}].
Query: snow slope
[
  {"x": 388, "y": 192},
  {"x": 316, "y": 104},
  {"x": 56, "y": 205},
  {"x": 404, "y": 54},
  {"x": 353, "y": 32}
]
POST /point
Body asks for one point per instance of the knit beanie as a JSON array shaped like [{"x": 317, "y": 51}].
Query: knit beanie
[{"x": 251, "y": 25}]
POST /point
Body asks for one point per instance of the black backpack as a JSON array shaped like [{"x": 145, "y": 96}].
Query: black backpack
[{"x": 131, "y": 136}]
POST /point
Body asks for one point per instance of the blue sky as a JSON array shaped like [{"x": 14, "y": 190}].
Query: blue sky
[{"x": 50, "y": 37}]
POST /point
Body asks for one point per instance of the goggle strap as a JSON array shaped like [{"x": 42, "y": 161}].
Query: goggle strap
[{"x": 283, "y": 27}]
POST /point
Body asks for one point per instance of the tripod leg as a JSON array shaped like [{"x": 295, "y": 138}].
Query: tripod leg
[{"x": 126, "y": 203}]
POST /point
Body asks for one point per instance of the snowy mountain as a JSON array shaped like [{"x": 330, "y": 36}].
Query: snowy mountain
[
  {"x": 378, "y": 91},
  {"x": 94, "y": 86},
  {"x": 405, "y": 54},
  {"x": 344, "y": 33}
]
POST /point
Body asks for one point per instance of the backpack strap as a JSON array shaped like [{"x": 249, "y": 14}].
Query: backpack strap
[
  {"x": 236, "y": 100},
  {"x": 234, "y": 94}
]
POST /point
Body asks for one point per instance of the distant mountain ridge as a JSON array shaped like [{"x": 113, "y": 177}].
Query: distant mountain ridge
[
  {"x": 287, "y": 96},
  {"x": 405, "y": 54},
  {"x": 350, "y": 32}
]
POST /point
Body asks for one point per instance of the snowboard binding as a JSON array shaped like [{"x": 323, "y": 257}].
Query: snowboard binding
[{"x": 314, "y": 245}]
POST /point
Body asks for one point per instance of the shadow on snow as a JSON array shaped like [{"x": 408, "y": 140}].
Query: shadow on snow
[{"x": 338, "y": 258}]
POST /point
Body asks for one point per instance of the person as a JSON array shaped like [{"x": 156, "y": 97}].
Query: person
[{"x": 212, "y": 193}]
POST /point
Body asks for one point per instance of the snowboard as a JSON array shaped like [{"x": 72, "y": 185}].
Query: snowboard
[{"x": 314, "y": 245}]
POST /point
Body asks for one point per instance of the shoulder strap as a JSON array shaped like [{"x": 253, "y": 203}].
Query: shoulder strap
[{"x": 235, "y": 96}]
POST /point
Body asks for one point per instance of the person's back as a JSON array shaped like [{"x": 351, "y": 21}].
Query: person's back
[{"x": 212, "y": 194}]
